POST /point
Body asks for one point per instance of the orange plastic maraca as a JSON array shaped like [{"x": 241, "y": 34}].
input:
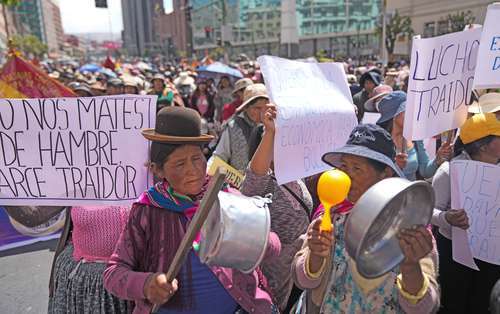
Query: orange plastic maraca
[{"x": 333, "y": 187}]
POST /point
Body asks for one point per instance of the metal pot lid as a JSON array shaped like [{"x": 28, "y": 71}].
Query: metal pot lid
[{"x": 382, "y": 211}]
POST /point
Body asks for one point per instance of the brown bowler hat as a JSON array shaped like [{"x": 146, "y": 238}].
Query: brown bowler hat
[{"x": 177, "y": 125}]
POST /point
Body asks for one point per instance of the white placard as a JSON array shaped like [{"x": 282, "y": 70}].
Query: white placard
[
  {"x": 74, "y": 151},
  {"x": 475, "y": 187},
  {"x": 440, "y": 86},
  {"x": 370, "y": 117},
  {"x": 315, "y": 114},
  {"x": 488, "y": 62}
]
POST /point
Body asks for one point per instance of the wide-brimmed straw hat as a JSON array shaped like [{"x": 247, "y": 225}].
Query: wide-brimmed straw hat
[
  {"x": 159, "y": 77},
  {"x": 242, "y": 84},
  {"x": 378, "y": 92},
  {"x": 184, "y": 79},
  {"x": 391, "y": 105},
  {"x": 177, "y": 125},
  {"x": 487, "y": 103},
  {"x": 251, "y": 93}
]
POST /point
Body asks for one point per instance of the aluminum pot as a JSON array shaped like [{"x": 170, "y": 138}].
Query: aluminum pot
[
  {"x": 382, "y": 211},
  {"x": 236, "y": 232}
]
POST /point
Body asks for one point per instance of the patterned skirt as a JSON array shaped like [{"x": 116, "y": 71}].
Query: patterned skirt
[{"x": 78, "y": 288}]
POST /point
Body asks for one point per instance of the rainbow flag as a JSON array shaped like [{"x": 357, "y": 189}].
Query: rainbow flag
[{"x": 21, "y": 79}]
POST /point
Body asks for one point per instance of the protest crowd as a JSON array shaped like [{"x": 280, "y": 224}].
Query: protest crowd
[{"x": 115, "y": 258}]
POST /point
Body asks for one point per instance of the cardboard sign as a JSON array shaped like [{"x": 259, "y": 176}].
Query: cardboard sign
[
  {"x": 488, "y": 62},
  {"x": 233, "y": 176},
  {"x": 475, "y": 187},
  {"x": 74, "y": 151},
  {"x": 440, "y": 86},
  {"x": 315, "y": 114}
]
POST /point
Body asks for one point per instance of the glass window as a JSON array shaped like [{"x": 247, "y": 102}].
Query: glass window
[
  {"x": 443, "y": 27},
  {"x": 429, "y": 29}
]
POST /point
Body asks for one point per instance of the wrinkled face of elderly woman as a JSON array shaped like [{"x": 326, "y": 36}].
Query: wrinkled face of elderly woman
[
  {"x": 184, "y": 169},
  {"x": 363, "y": 173}
]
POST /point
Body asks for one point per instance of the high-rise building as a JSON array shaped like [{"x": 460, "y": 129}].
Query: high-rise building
[
  {"x": 174, "y": 29},
  {"x": 3, "y": 27},
  {"x": 54, "y": 33},
  {"x": 41, "y": 18},
  {"x": 141, "y": 21},
  {"x": 339, "y": 27},
  {"x": 28, "y": 18}
]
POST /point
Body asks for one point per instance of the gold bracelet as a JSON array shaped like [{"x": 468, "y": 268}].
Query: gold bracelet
[
  {"x": 413, "y": 299},
  {"x": 317, "y": 274}
]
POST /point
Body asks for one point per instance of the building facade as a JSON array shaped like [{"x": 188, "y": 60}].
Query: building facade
[
  {"x": 338, "y": 28},
  {"x": 28, "y": 18},
  {"x": 54, "y": 33},
  {"x": 174, "y": 31},
  {"x": 430, "y": 18},
  {"x": 3, "y": 27},
  {"x": 41, "y": 18},
  {"x": 141, "y": 22}
]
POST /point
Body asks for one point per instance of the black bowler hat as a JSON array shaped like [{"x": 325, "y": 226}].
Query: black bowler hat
[
  {"x": 369, "y": 141},
  {"x": 177, "y": 125}
]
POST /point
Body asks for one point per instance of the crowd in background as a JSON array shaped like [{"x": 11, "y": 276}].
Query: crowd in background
[{"x": 112, "y": 260}]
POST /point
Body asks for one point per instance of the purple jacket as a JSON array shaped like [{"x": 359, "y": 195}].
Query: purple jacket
[{"x": 124, "y": 278}]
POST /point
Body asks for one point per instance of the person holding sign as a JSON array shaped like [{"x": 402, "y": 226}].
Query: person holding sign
[
  {"x": 157, "y": 225},
  {"x": 411, "y": 156},
  {"x": 325, "y": 270},
  {"x": 290, "y": 207},
  {"x": 464, "y": 290}
]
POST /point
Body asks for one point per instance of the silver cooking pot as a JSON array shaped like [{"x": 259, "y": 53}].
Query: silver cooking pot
[
  {"x": 371, "y": 228},
  {"x": 236, "y": 232}
]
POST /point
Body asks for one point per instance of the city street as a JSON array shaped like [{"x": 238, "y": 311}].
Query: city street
[{"x": 24, "y": 277}]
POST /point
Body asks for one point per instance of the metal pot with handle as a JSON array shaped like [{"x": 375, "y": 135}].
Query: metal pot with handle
[
  {"x": 236, "y": 232},
  {"x": 382, "y": 211}
]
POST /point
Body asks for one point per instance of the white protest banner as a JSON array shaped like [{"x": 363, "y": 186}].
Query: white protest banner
[
  {"x": 488, "y": 62},
  {"x": 475, "y": 187},
  {"x": 440, "y": 86},
  {"x": 74, "y": 151},
  {"x": 315, "y": 114}
]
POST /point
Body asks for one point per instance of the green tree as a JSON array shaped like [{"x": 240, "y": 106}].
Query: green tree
[
  {"x": 29, "y": 45},
  {"x": 10, "y": 2},
  {"x": 395, "y": 25},
  {"x": 459, "y": 20}
]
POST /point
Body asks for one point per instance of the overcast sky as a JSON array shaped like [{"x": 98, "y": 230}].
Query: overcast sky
[{"x": 81, "y": 16}]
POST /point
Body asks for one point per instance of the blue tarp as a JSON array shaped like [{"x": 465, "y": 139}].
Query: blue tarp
[
  {"x": 90, "y": 67},
  {"x": 219, "y": 69}
]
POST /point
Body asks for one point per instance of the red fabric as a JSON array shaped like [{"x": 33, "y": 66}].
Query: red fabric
[
  {"x": 30, "y": 81},
  {"x": 108, "y": 63},
  {"x": 341, "y": 209},
  {"x": 229, "y": 109}
]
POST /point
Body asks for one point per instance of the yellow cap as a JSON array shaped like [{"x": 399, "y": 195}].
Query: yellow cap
[{"x": 479, "y": 126}]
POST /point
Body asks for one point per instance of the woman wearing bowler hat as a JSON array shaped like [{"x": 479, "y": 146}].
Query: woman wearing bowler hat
[{"x": 156, "y": 227}]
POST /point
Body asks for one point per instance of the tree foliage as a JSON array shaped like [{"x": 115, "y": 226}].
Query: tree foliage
[
  {"x": 395, "y": 25},
  {"x": 459, "y": 20},
  {"x": 29, "y": 45},
  {"x": 10, "y": 2}
]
